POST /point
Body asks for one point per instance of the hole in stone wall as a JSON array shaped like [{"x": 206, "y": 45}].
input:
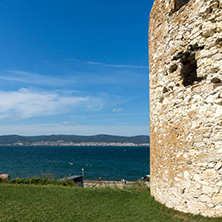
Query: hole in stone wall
[
  {"x": 173, "y": 68},
  {"x": 177, "y": 5},
  {"x": 189, "y": 70},
  {"x": 189, "y": 64},
  {"x": 219, "y": 41},
  {"x": 161, "y": 99},
  {"x": 210, "y": 10},
  {"x": 183, "y": 190},
  {"x": 215, "y": 80},
  {"x": 165, "y": 90}
]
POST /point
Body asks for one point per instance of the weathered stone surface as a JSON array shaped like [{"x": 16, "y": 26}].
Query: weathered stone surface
[
  {"x": 217, "y": 199},
  {"x": 185, "y": 60},
  {"x": 209, "y": 174}
]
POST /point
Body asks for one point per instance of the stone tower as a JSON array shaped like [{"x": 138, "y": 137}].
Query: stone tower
[{"x": 185, "y": 57}]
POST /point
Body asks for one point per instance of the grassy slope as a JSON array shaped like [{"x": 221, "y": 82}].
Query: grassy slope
[{"x": 47, "y": 203}]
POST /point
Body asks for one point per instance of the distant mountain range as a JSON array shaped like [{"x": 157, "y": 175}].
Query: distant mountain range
[{"x": 72, "y": 140}]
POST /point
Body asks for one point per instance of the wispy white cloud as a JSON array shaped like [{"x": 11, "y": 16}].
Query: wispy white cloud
[
  {"x": 117, "y": 110},
  {"x": 79, "y": 78},
  {"x": 111, "y": 65},
  {"x": 26, "y": 103},
  {"x": 34, "y": 78},
  {"x": 121, "y": 114},
  {"x": 67, "y": 123},
  {"x": 133, "y": 114}
]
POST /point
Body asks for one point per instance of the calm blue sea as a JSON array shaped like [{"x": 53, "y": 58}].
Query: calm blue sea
[{"x": 110, "y": 163}]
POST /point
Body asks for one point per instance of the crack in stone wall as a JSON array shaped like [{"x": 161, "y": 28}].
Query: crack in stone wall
[{"x": 185, "y": 60}]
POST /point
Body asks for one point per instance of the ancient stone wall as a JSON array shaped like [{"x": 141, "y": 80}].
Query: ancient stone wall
[{"x": 185, "y": 57}]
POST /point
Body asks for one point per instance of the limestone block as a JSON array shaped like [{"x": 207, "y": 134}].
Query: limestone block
[
  {"x": 186, "y": 175},
  {"x": 204, "y": 198},
  {"x": 218, "y": 166},
  {"x": 218, "y": 112},
  {"x": 197, "y": 177},
  {"x": 210, "y": 190},
  {"x": 211, "y": 165},
  {"x": 209, "y": 174},
  {"x": 217, "y": 57},
  {"x": 217, "y": 199},
  {"x": 219, "y": 184}
]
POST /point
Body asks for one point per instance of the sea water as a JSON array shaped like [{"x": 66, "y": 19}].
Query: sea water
[{"x": 109, "y": 163}]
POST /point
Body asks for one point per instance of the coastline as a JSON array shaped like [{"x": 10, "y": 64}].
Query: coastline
[{"x": 102, "y": 144}]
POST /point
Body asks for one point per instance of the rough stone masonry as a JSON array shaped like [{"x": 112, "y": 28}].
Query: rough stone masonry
[{"x": 185, "y": 57}]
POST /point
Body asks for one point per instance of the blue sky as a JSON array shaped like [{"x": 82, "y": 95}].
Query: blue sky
[{"x": 74, "y": 67}]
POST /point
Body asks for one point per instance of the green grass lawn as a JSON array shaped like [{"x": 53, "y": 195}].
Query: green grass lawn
[{"x": 53, "y": 203}]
